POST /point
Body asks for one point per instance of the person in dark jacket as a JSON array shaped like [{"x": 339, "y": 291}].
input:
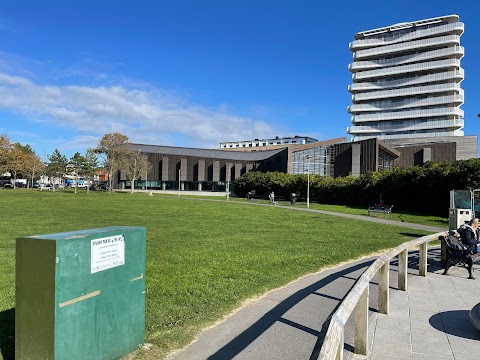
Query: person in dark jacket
[{"x": 469, "y": 236}]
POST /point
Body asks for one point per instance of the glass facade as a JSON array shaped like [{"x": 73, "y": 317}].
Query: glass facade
[
  {"x": 385, "y": 160},
  {"x": 318, "y": 161}
]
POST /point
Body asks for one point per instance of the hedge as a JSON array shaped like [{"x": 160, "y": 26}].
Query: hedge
[{"x": 417, "y": 189}]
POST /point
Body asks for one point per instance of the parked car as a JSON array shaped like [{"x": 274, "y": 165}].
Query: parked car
[
  {"x": 36, "y": 185},
  {"x": 99, "y": 185},
  {"x": 8, "y": 185}
]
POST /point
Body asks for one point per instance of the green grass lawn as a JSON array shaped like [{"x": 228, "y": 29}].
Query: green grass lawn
[{"x": 204, "y": 258}]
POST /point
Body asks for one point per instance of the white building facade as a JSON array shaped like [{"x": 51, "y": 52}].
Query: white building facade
[
  {"x": 294, "y": 140},
  {"x": 406, "y": 80}
]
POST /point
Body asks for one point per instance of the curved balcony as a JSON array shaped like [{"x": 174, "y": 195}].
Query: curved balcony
[
  {"x": 408, "y": 46},
  {"x": 406, "y": 126},
  {"x": 408, "y": 91},
  {"x": 453, "y": 51},
  {"x": 456, "y": 75},
  {"x": 396, "y": 37},
  {"x": 450, "y": 64},
  {"x": 409, "y": 114},
  {"x": 410, "y": 135},
  {"x": 452, "y": 100}
]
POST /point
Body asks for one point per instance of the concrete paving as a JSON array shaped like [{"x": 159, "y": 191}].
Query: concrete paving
[{"x": 428, "y": 321}]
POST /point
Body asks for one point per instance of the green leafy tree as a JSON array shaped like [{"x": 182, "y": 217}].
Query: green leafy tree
[
  {"x": 56, "y": 167},
  {"x": 91, "y": 165},
  {"x": 76, "y": 165}
]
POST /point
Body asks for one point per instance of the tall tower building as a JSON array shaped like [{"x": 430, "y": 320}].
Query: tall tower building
[{"x": 406, "y": 81}]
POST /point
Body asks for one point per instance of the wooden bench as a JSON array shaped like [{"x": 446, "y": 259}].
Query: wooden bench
[
  {"x": 456, "y": 254},
  {"x": 383, "y": 209}
]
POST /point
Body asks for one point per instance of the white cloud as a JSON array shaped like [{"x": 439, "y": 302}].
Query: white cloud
[{"x": 145, "y": 115}]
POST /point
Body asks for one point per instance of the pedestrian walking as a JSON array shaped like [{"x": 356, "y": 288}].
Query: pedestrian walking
[{"x": 272, "y": 198}]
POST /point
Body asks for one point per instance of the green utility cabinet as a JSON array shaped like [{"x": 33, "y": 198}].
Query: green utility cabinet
[{"x": 80, "y": 294}]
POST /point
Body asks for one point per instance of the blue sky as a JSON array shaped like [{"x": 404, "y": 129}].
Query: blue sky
[{"x": 194, "y": 73}]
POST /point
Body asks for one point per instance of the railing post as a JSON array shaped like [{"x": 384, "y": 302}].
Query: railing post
[
  {"x": 402, "y": 270},
  {"x": 422, "y": 266},
  {"x": 383, "y": 285},
  {"x": 361, "y": 323}
]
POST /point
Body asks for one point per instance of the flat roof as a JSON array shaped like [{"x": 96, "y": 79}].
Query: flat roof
[{"x": 404, "y": 25}]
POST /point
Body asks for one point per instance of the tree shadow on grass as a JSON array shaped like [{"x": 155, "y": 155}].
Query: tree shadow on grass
[{"x": 7, "y": 334}]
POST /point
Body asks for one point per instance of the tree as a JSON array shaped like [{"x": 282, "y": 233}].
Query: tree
[
  {"x": 6, "y": 149},
  {"x": 34, "y": 166},
  {"x": 90, "y": 165},
  {"x": 114, "y": 147},
  {"x": 57, "y": 166},
  {"x": 25, "y": 162},
  {"x": 76, "y": 165},
  {"x": 18, "y": 162},
  {"x": 134, "y": 164},
  {"x": 26, "y": 149}
]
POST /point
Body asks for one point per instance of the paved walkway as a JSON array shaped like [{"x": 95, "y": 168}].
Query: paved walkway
[{"x": 428, "y": 321}]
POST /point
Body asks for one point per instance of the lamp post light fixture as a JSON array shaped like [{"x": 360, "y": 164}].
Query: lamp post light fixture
[{"x": 308, "y": 157}]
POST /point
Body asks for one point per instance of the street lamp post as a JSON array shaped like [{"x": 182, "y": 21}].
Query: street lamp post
[
  {"x": 228, "y": 182},
  {"x": 137, "y": 161},
  {"x": 308, "y": 181}
]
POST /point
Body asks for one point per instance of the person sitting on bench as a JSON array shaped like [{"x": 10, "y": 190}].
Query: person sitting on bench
[{"x": 468, "y": 235}]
